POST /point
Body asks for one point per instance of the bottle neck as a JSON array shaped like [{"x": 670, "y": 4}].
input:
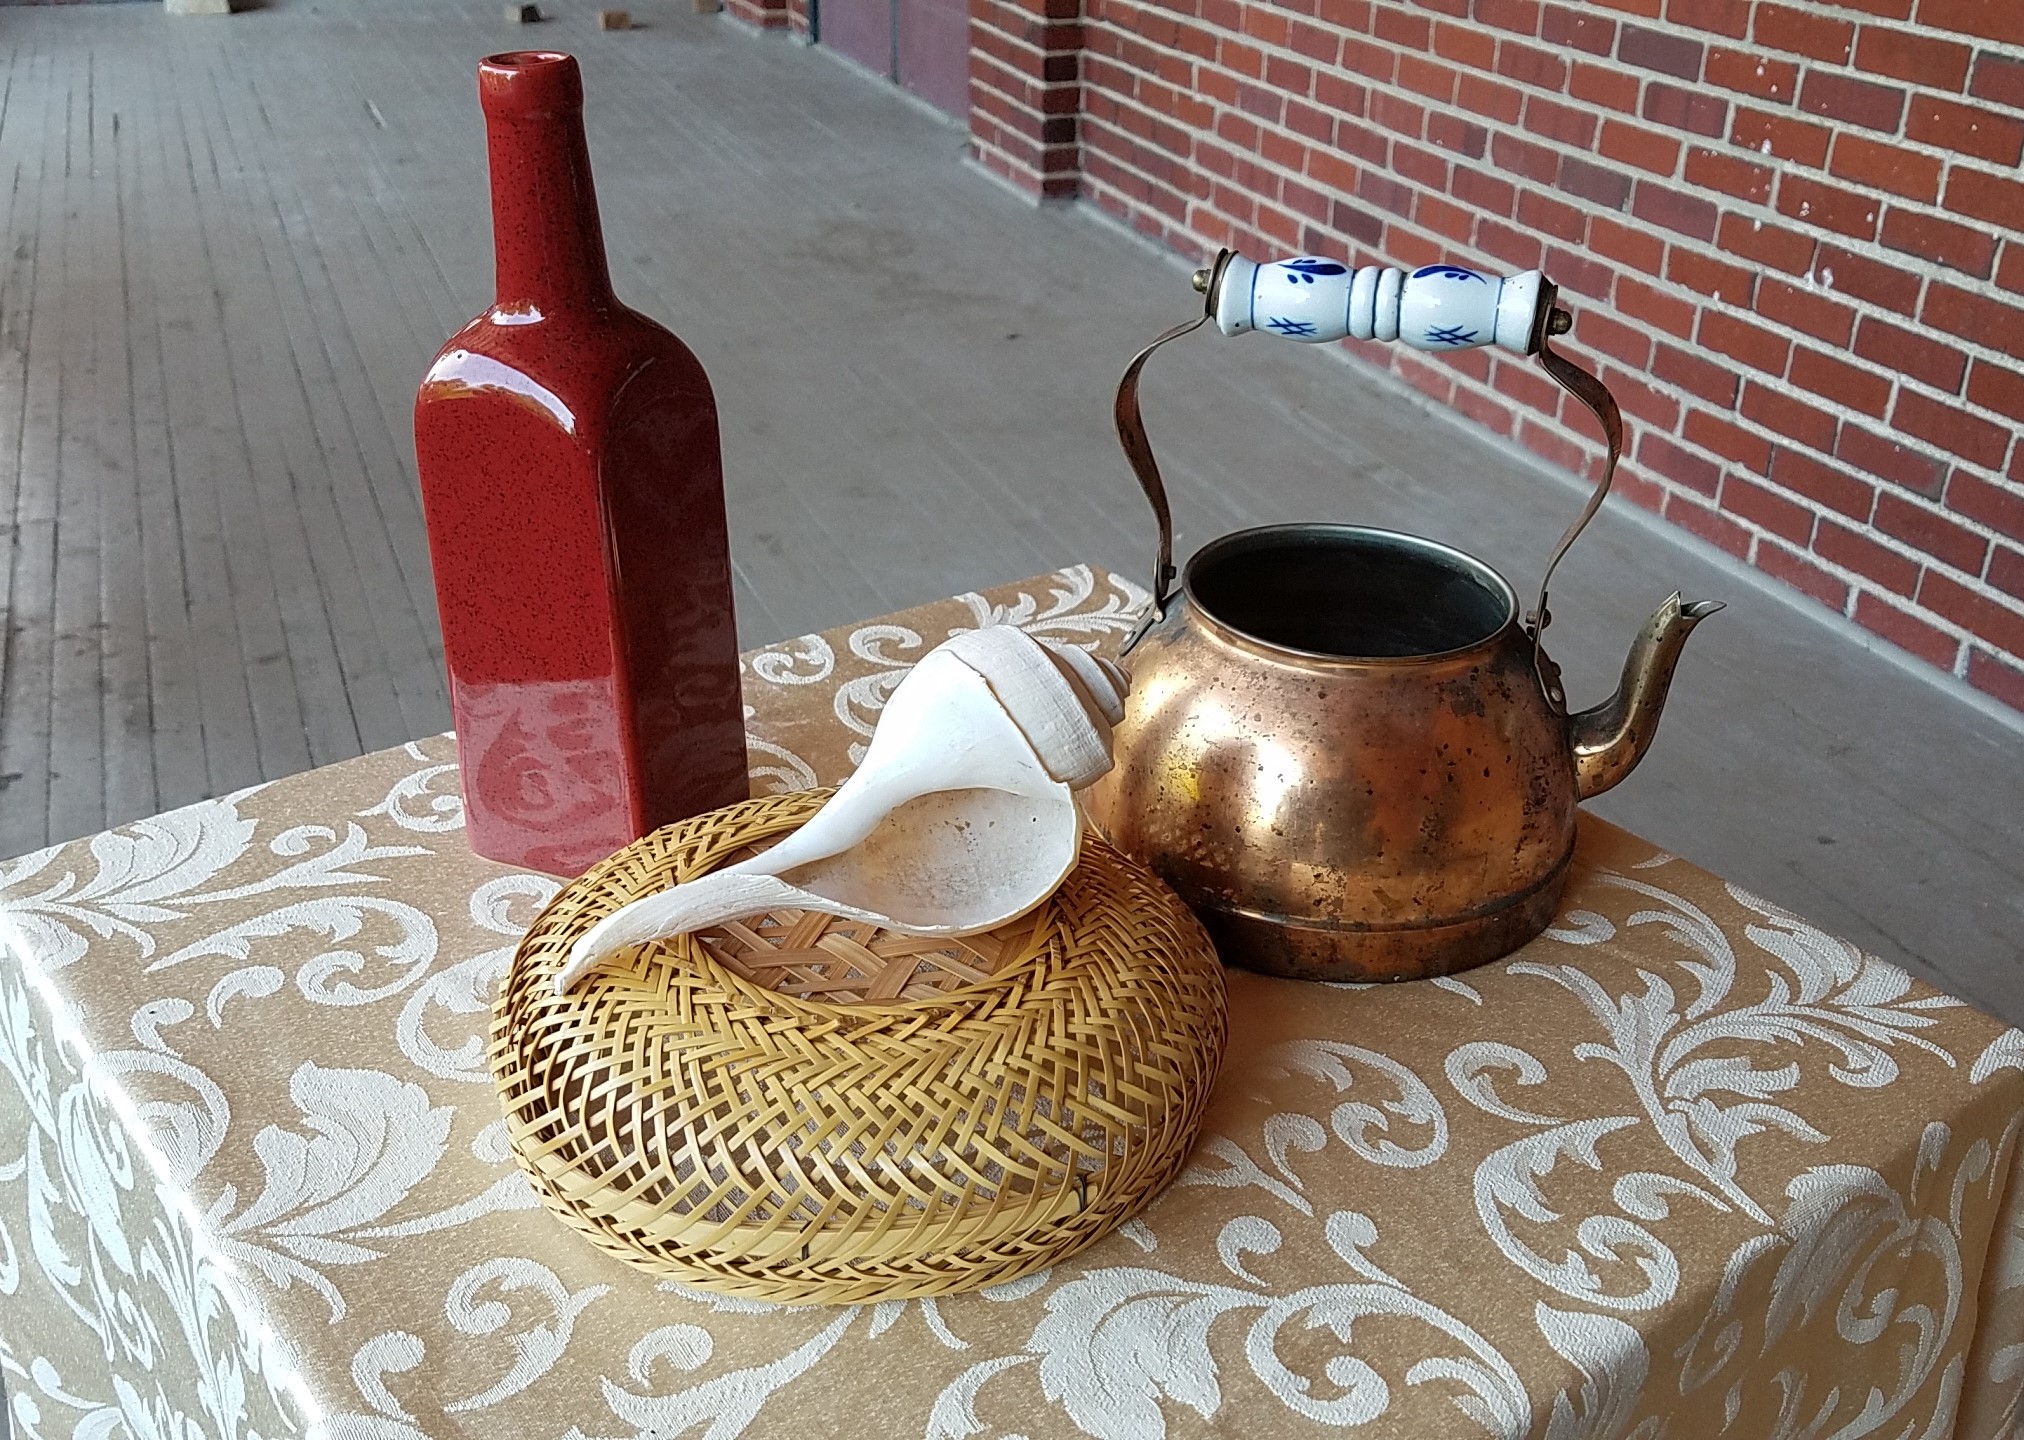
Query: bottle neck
[{"x": 548, "y": 244}]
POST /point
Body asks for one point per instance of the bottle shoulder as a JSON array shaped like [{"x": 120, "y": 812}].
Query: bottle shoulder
[
  {"x": 580, "y": 361},
  {"x": 526, "y": 331}
]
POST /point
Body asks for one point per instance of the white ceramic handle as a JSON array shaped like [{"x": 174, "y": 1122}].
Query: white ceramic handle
[{"x": 1436, "y": 307}]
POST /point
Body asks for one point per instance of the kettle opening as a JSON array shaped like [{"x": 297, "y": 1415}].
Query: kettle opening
[{"x": 1347, "y": 592}]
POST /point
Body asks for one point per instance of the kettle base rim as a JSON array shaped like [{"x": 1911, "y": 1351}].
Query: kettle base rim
[{"x": 1286, "y": 947}]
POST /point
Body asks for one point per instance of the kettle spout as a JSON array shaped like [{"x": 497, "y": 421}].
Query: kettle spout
[{"x": 1610, "y": 739}]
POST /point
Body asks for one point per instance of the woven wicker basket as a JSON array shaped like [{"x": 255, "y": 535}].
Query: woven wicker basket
[{"x": 972, "y": 1111}]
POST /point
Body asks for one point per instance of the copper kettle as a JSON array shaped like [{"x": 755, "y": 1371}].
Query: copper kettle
[{"x": 1347, "y": 748}]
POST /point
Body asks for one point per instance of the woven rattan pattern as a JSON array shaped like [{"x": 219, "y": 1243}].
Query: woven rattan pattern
[{"x": 759, "y": 1143}]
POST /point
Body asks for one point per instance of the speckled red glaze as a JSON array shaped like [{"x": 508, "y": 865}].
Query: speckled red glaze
[{"x": 574, "y": 492}]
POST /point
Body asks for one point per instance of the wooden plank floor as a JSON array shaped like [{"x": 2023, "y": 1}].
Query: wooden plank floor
[{"x": 231, "y": 245}]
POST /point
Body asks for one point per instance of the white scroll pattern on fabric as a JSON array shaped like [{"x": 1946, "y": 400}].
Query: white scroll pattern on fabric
[
  {"x": 1073, "y": 611},
  {"x": 429, "y": 800},
  {"x": 1820, "y": 991},
  {"x": 372, "y": 1138},
  {"x": 786, "y": 772},
  {"x": 503, "y": 907},
  {"x": 113, "y": 1204},
  {"x": 109, "y": 1240}
]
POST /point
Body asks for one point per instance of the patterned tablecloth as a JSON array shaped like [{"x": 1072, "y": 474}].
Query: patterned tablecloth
[{"x": 1685, "y": 1166}]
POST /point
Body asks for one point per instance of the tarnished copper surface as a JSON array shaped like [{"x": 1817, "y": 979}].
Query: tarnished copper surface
[{"x": 1377, "y": 818}]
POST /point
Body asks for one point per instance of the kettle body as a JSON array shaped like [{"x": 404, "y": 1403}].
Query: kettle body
[
  {"x": 1347, "y": 748},
  {"x": 1338, "y": 752}
]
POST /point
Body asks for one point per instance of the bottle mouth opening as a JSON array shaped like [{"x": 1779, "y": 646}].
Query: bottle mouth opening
[{"x": 529, "y": 82}]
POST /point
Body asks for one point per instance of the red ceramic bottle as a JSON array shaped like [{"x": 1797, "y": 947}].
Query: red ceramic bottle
[{"x": 574, "y": 491}]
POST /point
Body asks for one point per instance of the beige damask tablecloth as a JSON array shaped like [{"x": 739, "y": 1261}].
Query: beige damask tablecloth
[{"x": 1685, "y": 1166}]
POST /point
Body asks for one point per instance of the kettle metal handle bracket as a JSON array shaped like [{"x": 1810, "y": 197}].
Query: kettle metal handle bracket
[
  {"x": 1592, "y": 393},
  {"x": 1549, "y": 321},
  {"x": 1131, "y": 433},
  {"x": 1138, "y": 449}
]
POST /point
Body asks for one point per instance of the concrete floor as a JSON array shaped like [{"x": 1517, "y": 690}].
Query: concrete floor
[{"x": 232, "y": 245}]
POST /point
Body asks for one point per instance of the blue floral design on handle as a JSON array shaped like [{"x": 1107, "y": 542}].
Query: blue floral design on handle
[
  {"x": 1305, "y": 270},
  {"x": 1450, "y": 335},
  {"x": 1290, "y": 327},
  {"x": 1449, "y": 272}
]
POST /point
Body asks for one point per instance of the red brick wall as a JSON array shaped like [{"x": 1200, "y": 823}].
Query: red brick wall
[
  {"x": 1792, "y": 235},
  {"x": 1026, "y": 90}
]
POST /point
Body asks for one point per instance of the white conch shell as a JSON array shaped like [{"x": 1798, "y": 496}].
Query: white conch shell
[{"x": 960, "y": 818}]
